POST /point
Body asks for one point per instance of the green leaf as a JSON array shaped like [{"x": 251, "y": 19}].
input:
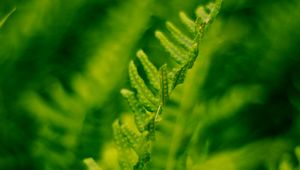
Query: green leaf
[
  {"x": 141, "y": 117},
  {"x": 193, "y": 55},
  {"x": 203, "y": 14},
  {"x": 215, "y": 9},
  {"x": 135, "y": 106},
  {"x": 119, "y": 136},
  {"x": 164, "y": 90},
  {"x": 151, "y": 129},
  {"x": 189, "y": 23},
  {"x": 145, "y": 95},
  {"x": 133, "y": 139},
  {"x": 143, "y": 159},
  {"x": 177, "y": 76},
  {"x": 184, "y": 51},
  {"x": 177, "y": 53},
  {"x": 209, "y": 12},
  {"x": 149, "y": 68},
  {"x": 127, "y": 157},
  {"x": 179, "y": 36}
]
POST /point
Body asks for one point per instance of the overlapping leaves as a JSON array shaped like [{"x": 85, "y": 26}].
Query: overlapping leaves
[{"x": 147, "y": 99}]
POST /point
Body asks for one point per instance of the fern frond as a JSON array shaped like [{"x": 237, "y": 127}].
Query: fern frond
[
  {"x": 149, "y": 68},
  {"x": 129, "y": 141},
  {"x": 177, "y": 53},
  {"x": 151, "y": 129},
  {"x": 208, "y": 13},
  {"x": 132, "y": 101},
  {"x": 164, "y": 87},
  {"x": 177, "y": 76},
  {"x": 189, "y": 23},
  {"x": 205, "y": 15},
  {"x": 119, "y": 136},
  {"x": 127, "y": 158},
  {"x": 142, "y": 161},
  {"x": 215, "y": 8},
  {"x": 179, "y": 36},
  {"x": 147, "y": 106},
  {"x": 141, "y": 117},
  {"x": 132, "y": 138},
  {"x": 202, "y": 13},
  {"x": 144, "y": 94}
]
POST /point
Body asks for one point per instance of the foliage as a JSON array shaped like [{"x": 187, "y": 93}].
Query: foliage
[
  {"x": 148, "y": 104},
  {"x": 63, "y": 63}
]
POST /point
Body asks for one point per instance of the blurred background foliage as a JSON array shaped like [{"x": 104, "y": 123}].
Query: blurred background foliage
[{"x": 63, "y": 63}]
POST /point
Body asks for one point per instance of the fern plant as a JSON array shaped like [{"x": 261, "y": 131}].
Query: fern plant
[{"x": 147, "y": 100}]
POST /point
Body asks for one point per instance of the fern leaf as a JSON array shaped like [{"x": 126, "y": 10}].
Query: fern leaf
[
  {"x": 118, "y": 135},
  {"x": 164, "y": 94},
  {"x": 142, "y": 121},
  {"x": 177, "y": 76},
  {"x": 179, "y": 36},
  {"x": 203, "y": 14},
  {"x": 148, "y": 106},
  {"x": 149, "y": 68},
  {"x": 127, "y": 140},
  {"x": 136, "y": 107},
  {"x": 193, "y": 55},
  {"x": 127, "y": 159},
  {"x": 215, "y": 9},
  {"x": 142, "y": 161},
  {"x": 209, "y": 12},
  {"x": 151, "y": 129},
  {"x": 132, "y": 138},
  {"x": 144, "y": 93},
  {"x": 178, "y": 54},
  {"x": 206, "y": 15},
  {"x": 140, "y": 115},
  {"x": 189, "y": 23}
]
